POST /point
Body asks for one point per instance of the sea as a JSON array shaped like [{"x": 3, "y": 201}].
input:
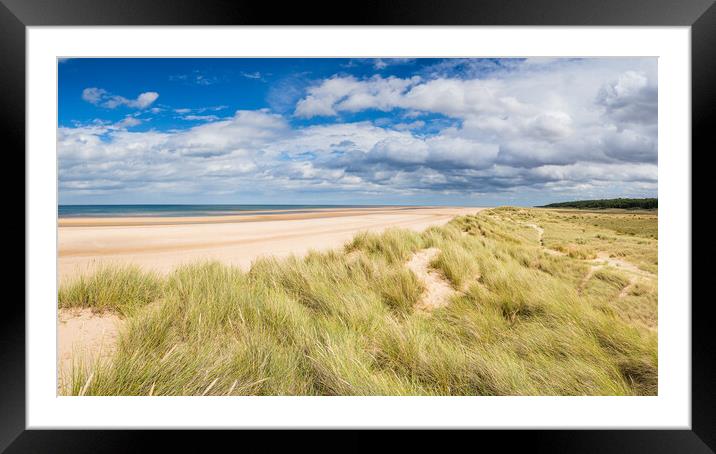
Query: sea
[{"x": 78, "y": 211}]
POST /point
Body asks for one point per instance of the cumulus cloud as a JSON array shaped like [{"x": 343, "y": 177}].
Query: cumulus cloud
[
  {"x": 94, "y": 95},
  {"x": 537, "y": 112},
  {"x": 401, "y": 150},
  {"x": 583, "y": 127},
  {"x": 350, "y": 94},
  {"x": 128, "y": 122},
  {"x": 208, "y": 156},
  {"x": 101, "y": 97},
  {"x": 631, "y": 98},
  {"x": 630, "y": 145}
]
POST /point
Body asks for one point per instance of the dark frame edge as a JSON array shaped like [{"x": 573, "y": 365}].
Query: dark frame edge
[
  {"x": 16, "y": 438},
  {"x": 370, "y": 12},
  {"x": 703, "y": 108},
  {"x": 12, "y": 324}
]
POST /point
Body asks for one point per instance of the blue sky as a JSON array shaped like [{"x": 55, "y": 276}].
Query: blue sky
[
  {"x": 213, "y": 87},
  {"x": 355, "y": 131}
]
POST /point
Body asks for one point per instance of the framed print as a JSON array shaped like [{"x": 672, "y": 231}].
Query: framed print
[{"x": 462, "y": 216}]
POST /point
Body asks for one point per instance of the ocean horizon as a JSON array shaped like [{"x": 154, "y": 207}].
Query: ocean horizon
[{"x": 189, "y": 210}]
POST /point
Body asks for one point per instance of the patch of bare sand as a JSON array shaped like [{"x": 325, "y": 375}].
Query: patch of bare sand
[
  {"x": 540, "y": 238},
  {"x": 84, "y": 337},
  {"x": 604, "y": 259},
  {"x": 540, "y": 232},
  {"x": 437, "y": 291},
  {"x": 634, "y": 272},
  {"x": 625, "y": 290}
]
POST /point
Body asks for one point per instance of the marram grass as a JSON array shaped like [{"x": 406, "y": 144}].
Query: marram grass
[
  {"x": 344, "y": 322},
  {"x": 120, "y": 288}
]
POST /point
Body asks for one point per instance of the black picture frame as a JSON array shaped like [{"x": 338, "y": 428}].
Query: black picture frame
[{"x": 16, "y": 15}]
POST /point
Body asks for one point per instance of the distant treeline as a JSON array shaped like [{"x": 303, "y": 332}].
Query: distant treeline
[{"x": 629, "y": 204}]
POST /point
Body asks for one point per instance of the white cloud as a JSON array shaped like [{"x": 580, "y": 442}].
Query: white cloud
[
  {"x": 382, "y": 63},
  {"x": 200, "y": 117},
  {"x": 101, "y": 97},
  {"x": 349, "y": 94},
  {"x": 401, "y": 150},
  {"x": 549, "y": 111},
  {"x": 412, "y": 125},
  {"x": 128, "y": 122},
  {"x": 586, "y": 127},
  {"x": 94, "y": 95},
  {"x": 631, "y": 98}
]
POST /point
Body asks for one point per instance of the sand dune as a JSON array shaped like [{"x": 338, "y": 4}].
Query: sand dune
[{"x": 161, "y": 244}]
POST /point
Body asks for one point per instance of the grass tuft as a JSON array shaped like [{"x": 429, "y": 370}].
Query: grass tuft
[{"x": 122, "y": 289}]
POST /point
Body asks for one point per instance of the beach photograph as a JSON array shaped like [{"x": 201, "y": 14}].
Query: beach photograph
[{"x": 357, "y": 226}]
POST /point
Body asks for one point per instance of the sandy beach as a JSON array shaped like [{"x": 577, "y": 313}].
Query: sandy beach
[{"x": 163, "y": 243}]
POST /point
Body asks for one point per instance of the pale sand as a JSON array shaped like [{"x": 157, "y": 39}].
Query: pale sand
[
  {"x": 437, "y": 291},
  {"x": 161, "y": 244},
  {"x": 85, "y": 338}
]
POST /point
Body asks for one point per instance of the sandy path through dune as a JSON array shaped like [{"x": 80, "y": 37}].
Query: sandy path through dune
[{"x": 437, "y": 291}]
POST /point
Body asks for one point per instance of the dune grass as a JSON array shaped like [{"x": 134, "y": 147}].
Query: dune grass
[
  {"x": 121, "y": 288},
  {"x": 631, "y": 236},
  {"x": 344, "y": 322}
]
